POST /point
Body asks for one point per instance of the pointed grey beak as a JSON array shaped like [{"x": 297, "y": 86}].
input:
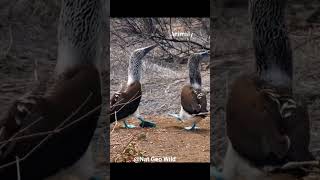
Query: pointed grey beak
[
  {"x": 204, "y": 53},
  {"x": 141, "y": 52},
  {"x": 148, "y": 48},
  {"x": 201, "y": 54}
]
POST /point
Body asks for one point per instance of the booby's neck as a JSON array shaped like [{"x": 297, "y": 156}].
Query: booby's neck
[
  {"x": 134, "y": 70},
  {"x": 79, "y": 34},
  {"x": 135, "y": 63},
  {"x": 194, "y": 71},
  {"x": 271, "y": 43}
]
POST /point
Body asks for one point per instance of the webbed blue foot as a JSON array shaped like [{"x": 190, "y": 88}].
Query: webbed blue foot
[
  {"x": 191, "y": 128},
  {"x": 128, "y": 126},
  {"x": 216, "y": 173},
  {"x": 146, "y": 124},
  {"x": 177, "y": 116}
]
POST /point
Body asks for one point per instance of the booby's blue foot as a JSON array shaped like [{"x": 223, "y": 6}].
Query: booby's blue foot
[
  {"x": 146, "y": 124},
  {"x": 177, "y": 116},
  {"x": 193, "y": 127},
  {"x": 128, "y": 126},
  {"x": 216, "y": 173}
]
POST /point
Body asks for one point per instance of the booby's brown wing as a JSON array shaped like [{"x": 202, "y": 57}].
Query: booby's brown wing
[
  {"x": 294, "y": 121},
  {"x": 125, "y": 102},
  {"x": 193, "y": 100},
  {"x": 23, "y": 111},
  {"x": 77, "y": 92},
  {"x": 254, "y": 124}
]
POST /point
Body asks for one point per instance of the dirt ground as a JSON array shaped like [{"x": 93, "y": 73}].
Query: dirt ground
[
  {"x": 168, "y": 139},
  {"x": 231, "y": 59}
]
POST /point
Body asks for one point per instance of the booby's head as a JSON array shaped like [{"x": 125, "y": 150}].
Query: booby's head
[
  {"x": 134, "y": 69},
  {"x": 194, "y": 68}
]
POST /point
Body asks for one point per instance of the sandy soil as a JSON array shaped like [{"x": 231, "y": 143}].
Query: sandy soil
[{"x": 168, "y": 139}]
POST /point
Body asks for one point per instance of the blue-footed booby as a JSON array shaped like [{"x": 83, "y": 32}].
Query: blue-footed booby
[
  {"x": 125, "y": 102},
  {"x": 193, "y": 99}
]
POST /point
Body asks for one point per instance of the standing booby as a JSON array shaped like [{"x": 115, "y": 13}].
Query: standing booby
[
  {"x": 193, "y": 99},
  {"x": 125, "y": 102},
  {"x": 266, "y": 125},
  {"x": 48, "y": 135}
]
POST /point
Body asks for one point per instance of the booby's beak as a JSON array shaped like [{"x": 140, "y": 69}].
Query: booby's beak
[
  {"x": 204, "y": 53},
  {"x": 200, "y": 55},
  {"x": 148, "y": 48},
  {"x": 141, "y": 52},
  {"x": 145, "y": 50}
]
